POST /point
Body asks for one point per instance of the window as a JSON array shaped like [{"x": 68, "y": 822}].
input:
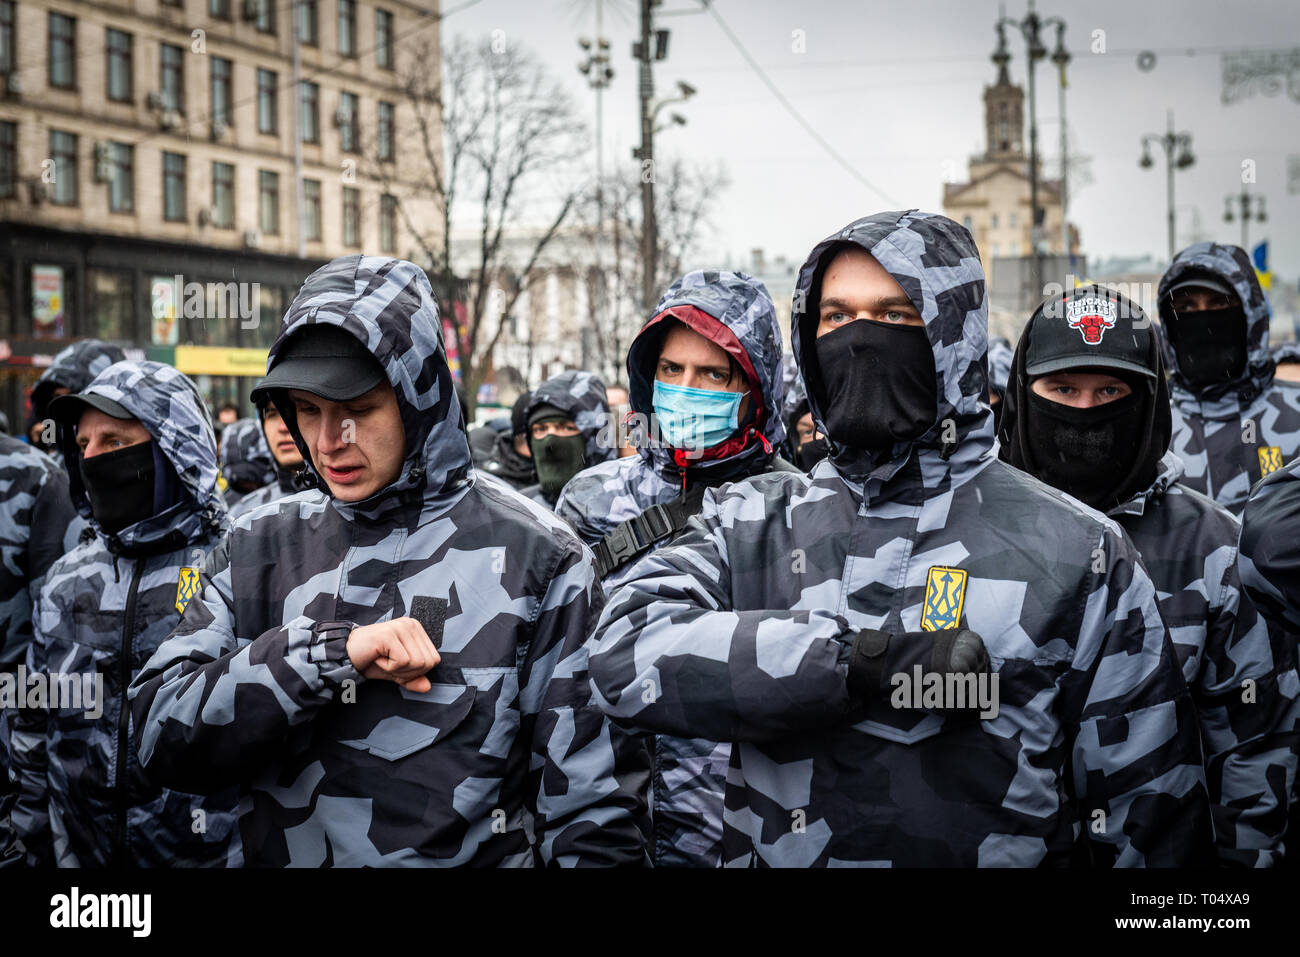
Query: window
[
  {"x": 268, "y": 83},
  {"x": 268, "y": 202},
  {"x": 174, "y": 187},
  {"x": 223, "y": 195},
  {"x": 351, "y": 216},
  {"x": 6, "y": 36},
  {"x": 386, "y": 112},
  {"x": 348, "y": 27},
  {"x": 111, "y": 313},
  {"x": 270, "y": 310},
  {"x": 993, "y": 220},
  {"x": 221, "y": 94},
  {"x": 388, "y": 224},
  {"x": 965, "y": 221},
  {"x": 219, "y": 9},
  {"x": 63, "y": 150},
  {"x": 311, "y": 209},
  {"x": 383, "y": 39},
  {"x": 266, "y": 16},
  {"x": 348, "y": 122},
  {"x": 172, "y": 77},
  {"x": 121, "y": 178},
  {"x": 308, "y": 26},
  {"x": 63, "y": 51},
  {"x": 1011, "y": 220},
  {"x": 8, "y": 160},
  {"x": 118, "y": 47},
  {"x": 310, "y": 112},
  {"x": 172, "y": 3}
]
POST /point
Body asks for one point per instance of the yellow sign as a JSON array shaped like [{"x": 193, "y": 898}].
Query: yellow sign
[
  {"x": 219, "y": 360},
  {"x": 186, "y": 587},
  {"x": 1270, "y": 459},
  {"x": 945, "y": 595}
]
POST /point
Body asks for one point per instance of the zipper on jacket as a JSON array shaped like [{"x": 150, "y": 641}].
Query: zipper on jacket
[{"x": 117, "y": 856}]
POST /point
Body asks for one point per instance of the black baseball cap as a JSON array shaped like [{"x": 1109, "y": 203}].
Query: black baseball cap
[
  {"x": 1089, "y": 326},
  {"x": 67, "y": 409},
  {"x": 1202, "y": 280},
  {"x": 324, "y": 360}
]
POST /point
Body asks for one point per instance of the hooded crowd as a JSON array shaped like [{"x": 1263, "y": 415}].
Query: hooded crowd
[{"x": 889, "y": 594}]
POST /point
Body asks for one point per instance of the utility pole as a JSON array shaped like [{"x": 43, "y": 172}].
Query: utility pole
[
  {"x": 1061, "y": 57},
  {"x": 1031, "y": 28},
  {"x": 599, "y": 73},
  {"x": 1245, "y": 198},
  {"x": 1169, "y": 141},
  {"x": 649, "y": 228}
]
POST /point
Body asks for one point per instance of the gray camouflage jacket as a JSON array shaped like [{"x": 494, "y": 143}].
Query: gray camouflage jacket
[
  {"x": 741, "y": 631},
  {"x": 581, "y": 395},
  {"x": 1231, "y": 436},
  {"x": 1269, "y": 560},
  {"x": 106, "y": 607},
  {"x": 335, "y": 769},
  {"x": 72, "y": 369},
  {"x": 245, "y": 457},
  {"x": 690, "y": 773},
  {"x": 1241, "y": 674}
]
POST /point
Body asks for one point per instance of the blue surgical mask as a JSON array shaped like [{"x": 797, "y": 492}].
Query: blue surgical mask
[{"x": 695, "y": 419}]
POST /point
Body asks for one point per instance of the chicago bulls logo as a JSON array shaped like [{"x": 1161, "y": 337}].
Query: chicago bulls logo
[{"x": 1092, "y": 316}]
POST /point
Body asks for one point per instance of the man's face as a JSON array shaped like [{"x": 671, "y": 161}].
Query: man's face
[
  {"x": 564, "y": 428},
  {"x": 688, "y": 359},
  {"x": 1082, "y": 390},
  {"x": 854, "y": 287},
  {"x": 1200, "y": 299},
  {"x": 227, "y": 416},
  {"x": 1288, "y": 371},
  {"x": 805, "y": 430},
  {"x": 98, "y": 433},
  {"x": 277, "y": 434},
  {"x": 358, "y": 445}
]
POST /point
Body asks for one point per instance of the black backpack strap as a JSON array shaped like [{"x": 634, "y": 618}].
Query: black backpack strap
[{"x": 638, "y": 535}]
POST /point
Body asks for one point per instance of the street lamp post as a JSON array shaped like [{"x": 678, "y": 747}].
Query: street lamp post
[
  {"x": 1245, "y": 198},
  {"x": 1170, "y": 141},
  {"x": 1031, "y": 28},
  {"x": 596, "y": 68}
]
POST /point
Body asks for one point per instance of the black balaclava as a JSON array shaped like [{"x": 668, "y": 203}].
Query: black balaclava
[
  {"x": 1210, "y": 345},
  {"x": 812, "y": 452},
  {"x": 878, "y": 384},
  {"x": 557, "y": 458},
  {"x": 1103, "y": 455},
  {"x": 121, "y": 486}
]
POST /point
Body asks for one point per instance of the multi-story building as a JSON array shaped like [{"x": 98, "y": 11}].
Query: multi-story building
[
  {"x": 150, "y": 159},
  {"x": 994, "y": 202}
]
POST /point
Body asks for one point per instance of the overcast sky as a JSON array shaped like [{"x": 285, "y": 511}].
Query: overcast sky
[{"x": 897, "y": 88}]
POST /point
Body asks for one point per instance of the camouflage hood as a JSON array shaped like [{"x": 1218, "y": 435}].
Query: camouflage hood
[
  {"x": 168, "y": 404},
  {"x": 938, "y": 266},
  {"x": 581, "y": 396},
  {"x": 1232, "y": 265},
  {"x": 388, "y": 305},
  {"x": 1000, "y": 355},
  {"x": 73, "y": 368},
  {"x": 245, "y": 456},
  {"x": 735, "y": 312}
]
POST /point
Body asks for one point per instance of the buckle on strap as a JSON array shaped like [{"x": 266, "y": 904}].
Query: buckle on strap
[{"x": 655, "y": 523}]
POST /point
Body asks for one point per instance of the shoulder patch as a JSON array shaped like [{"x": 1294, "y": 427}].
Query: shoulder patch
[
  {"x": 187, "y": 586},
  {"x": 945, "y": 596},
  {"x": 1270, "y": 459}
]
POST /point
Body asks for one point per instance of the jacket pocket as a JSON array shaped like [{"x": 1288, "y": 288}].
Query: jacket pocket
[{"x": 440, "y": 711}]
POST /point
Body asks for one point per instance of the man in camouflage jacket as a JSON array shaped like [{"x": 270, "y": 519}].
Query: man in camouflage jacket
[
  {"x": 1241, "y": 673},
  {"x": 246, "y": 460},
  {"x": 71, "y": 371},
  {"x": 1231, "y": 431},
  {"x": 106, "y": 607},
  {"x": 578, "y": 397},
  {"x": 736, "y": 311},
  {"x": 492, "y": 753},
  {"x": 767, "y": 623}
]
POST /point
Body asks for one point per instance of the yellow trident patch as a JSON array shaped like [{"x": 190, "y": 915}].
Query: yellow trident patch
[
  {"x": 187, "y": 586},
  {"x": 945, "y": 595},
  {"x": 1270, "y": 459}
]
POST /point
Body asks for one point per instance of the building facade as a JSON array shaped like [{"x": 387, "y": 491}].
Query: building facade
[{"x": 150, "y": 159}]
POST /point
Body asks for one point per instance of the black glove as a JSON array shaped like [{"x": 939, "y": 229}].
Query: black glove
[{"x": 877, "y": 656}]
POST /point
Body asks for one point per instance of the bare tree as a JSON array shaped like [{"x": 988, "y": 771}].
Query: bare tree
[
  {"x": 493, "y": 133},
  {"x": 686, "y": 196}
]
